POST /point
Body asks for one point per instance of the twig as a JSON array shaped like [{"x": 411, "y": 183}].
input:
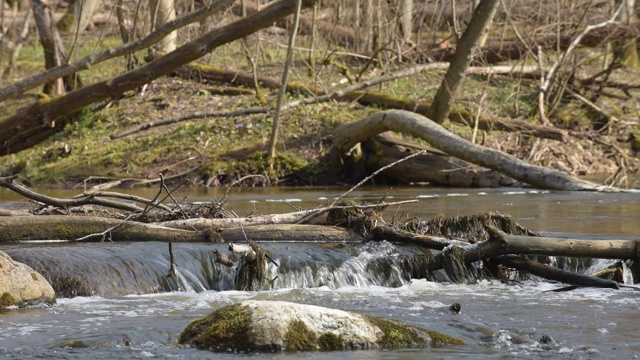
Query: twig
[
  {"x": 196, "y": 115},
  {"x": 175, "y": 176},
  {"x": 172, "y": 269},
  {"x": 169, "y": 194},
  {"x": 8, "y": 183},
  {"x": 130, "y": 197},
  {"x": 239, "y": 181},
  {"x": 374, "y": 174},
  {"x": 104, "y": 233},
  {"x": 317, "y": 212},
  {"x": 547, "y": 81}
]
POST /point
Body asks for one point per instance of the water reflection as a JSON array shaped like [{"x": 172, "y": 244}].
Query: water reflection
[{"x": 595, "y": 214}]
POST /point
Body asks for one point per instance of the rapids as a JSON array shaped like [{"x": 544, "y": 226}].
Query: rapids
[{"x": 497, "y": 320}]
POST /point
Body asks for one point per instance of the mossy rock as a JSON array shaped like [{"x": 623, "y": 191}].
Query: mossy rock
[{"x": 266, "y": 326}]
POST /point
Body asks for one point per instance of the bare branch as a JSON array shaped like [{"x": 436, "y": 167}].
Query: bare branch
[{"x": 86, "y": 62}]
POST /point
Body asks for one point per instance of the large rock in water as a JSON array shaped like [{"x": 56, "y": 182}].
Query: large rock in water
[
  {"x": 278, "y": 325},
  {"x": 21, "y": 285}
]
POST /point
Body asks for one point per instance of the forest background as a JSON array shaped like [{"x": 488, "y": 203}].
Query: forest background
[{"x": 554, "y": 83}]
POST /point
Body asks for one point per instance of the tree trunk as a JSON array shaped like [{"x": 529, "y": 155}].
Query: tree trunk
[
  {"x": 69, "y": 227},
  {"x": 434, "y": 167},
  {"x": 32, "y": 124},
  {"x": 349, "y": 134},
  {"x": 406, "y": 19},
  {"x": 551, "y": 273},
  {"x": 626, "y": 50},
  {"x": 452, "y": 80},
  {"x": 84, "y": 10},
  {"x": 54, "y": 54},
  {"x": 163, "y": 11}
]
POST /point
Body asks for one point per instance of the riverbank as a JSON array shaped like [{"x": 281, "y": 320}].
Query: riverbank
[{"x": 218, "y": 150}]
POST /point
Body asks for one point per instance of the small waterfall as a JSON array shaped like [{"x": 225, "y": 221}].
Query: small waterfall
[
  {"x": 186, "y": 281},
  {"x": 117, "y": 269},
  {"x": 373, "y": 263}
]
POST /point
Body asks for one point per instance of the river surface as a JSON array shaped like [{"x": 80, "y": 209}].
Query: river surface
[{"x": 585, "y": 323}]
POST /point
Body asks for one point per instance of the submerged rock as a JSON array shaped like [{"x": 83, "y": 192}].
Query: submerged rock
[
  {"x": 278, "y": 325},
  {"x": 21, "y": 285}
]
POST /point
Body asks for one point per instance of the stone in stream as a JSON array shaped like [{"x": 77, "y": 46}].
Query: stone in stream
[
  {"x": 20, "y": 285},
  {"x": 259, "y": 326}
]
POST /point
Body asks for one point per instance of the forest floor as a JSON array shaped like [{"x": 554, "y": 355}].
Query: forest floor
[{"x": 216, "y": 151}]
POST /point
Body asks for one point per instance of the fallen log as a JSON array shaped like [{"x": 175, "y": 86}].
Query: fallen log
[
  {"x": 290, "y": 233},
  {"x": 349, "y": 134},
  {"x": 551, "y": 273},
  {"x": 432, "y": 168},
  {"x": 88, "y": 199},
  {"x": 502, "y": 243},
  {"x": 427, "y": 241},
  {"x": 314, "y": 216},
  {"x": 71, "y": 227}
]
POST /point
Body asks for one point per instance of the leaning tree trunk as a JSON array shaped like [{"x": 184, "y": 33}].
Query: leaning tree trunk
[
  {"x": 348, "y": 135},
  {"x": 443, "y": 100}
]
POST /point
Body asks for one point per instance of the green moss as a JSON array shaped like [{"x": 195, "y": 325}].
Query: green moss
[
  {"x": 73, "y": 344},
  {"x": 223, "y": 329},
  {"x": 64, "y": 231},
  {"x": 396, "y": 334},
  {"x": 299, "y": 337},
  {"x": 442, "y": 339},
  {"x": 330, "y": 342},
  {"x": 34, "y": 276},
  {"x": 6, "y": 300}
]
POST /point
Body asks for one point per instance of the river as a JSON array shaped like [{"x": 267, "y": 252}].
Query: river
[{"x": 585, "y": 323}]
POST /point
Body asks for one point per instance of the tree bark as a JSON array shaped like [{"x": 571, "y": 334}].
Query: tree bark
[
  {"x": 70, "y": 228},
  {"x": 436, "y": 168},
  {"x": 84, "y": 10},
  {"x": 551, "y": 273},
  {"x": 502, "y": 243},
  {"x": 290, "y": 233},
  {"x": 37, "y": 119},
  {"x": 163, "y": 11},
  {"x": 349, "y": 134},
  {"x": 452, "y": 80},
  {"x": 54, "y": 54}
]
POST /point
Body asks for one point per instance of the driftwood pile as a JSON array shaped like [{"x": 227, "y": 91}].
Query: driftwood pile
[{"x": 494, "y": 240}]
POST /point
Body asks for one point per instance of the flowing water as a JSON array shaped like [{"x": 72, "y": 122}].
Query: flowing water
[{"x": 497, "y": 321}]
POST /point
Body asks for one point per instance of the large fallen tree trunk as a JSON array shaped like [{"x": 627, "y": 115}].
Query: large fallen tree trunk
[
  {"x": 349, "y": 134},
  {"x": 70, "y": 228},
  {"x": 434, "y": 167},
  {"x": 91, "y": 228}
]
